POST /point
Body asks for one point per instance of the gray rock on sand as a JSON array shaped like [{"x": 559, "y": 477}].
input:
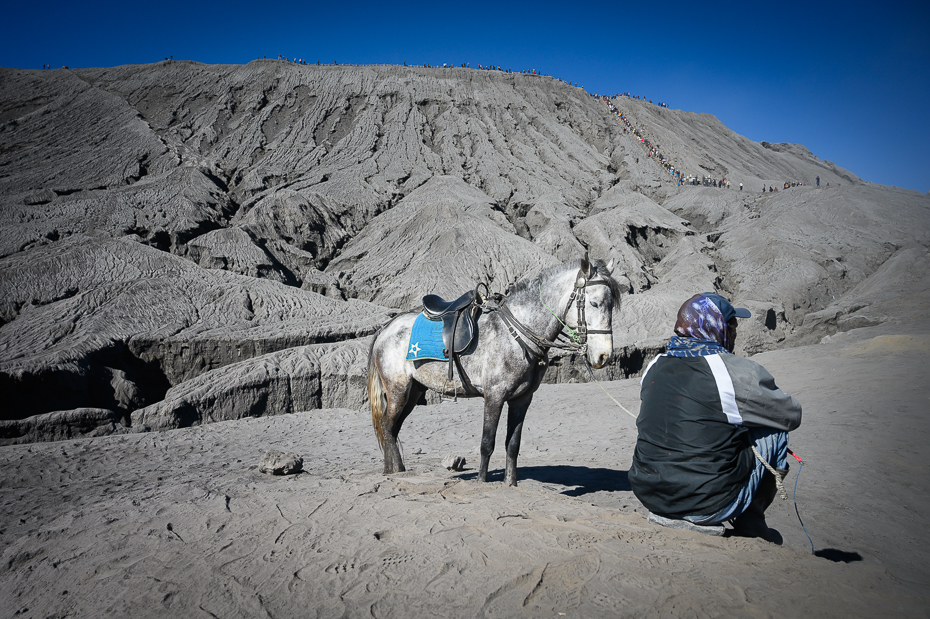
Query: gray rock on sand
[
  {"x": 280, "y": 463},
  {"x": 453, "y": 462}
]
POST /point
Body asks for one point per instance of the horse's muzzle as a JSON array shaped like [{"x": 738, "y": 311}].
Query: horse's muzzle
[{"x": 601, "y": 360}]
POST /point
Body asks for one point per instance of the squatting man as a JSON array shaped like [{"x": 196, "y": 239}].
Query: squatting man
[{"x": 709, "y": 423}]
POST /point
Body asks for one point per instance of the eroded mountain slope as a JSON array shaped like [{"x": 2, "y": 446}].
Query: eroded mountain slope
[{"x": 166, "y": 223}]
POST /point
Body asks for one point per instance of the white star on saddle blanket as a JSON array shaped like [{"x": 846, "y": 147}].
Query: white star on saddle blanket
[{"x": 425, "y": 340}]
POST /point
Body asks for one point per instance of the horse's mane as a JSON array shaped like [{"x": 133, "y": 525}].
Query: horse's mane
[{"x": 529, "y": 286}]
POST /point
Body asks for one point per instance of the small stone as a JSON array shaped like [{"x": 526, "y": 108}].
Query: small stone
[
  {"x": 280, "y": 463},
  {"x": 453, "y": 462}
]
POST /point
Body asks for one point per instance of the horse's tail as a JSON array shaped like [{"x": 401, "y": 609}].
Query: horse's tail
[{"x": 376, "y": 395}]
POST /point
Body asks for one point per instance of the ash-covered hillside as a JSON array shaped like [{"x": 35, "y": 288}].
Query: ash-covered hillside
[{"x": 182, "y": 243}]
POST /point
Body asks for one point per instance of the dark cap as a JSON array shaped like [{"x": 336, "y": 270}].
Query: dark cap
[{"x": 725, "y": 307}]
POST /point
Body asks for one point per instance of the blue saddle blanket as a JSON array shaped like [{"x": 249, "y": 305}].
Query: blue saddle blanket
[{"x": 426, "y": 339}]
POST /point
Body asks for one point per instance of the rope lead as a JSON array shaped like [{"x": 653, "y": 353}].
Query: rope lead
[
  {"x": 779, "y": 477},
  {"x": 796, "y": 504},
  {"x": 591, "y": 372}
]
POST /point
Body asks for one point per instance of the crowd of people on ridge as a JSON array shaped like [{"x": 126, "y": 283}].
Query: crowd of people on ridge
[
  {"x": 637, "y": 97},
  {"x": 296, "y": 60},
  {"x": 652, "y": 151},
  {"x": 445, "y": 65}
]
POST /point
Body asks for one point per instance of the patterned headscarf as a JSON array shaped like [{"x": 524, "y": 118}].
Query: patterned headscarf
[{"x": 701, "y": 329}]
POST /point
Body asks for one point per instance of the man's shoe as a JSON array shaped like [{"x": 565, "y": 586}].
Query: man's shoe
[
  {"x": 675, "y": 523},
  {"x": 751, "y": 523}
]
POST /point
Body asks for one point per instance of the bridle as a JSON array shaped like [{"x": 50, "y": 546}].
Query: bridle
[
  {"x": 576, "y": 340},
  {"x": 578, "y": 295}
]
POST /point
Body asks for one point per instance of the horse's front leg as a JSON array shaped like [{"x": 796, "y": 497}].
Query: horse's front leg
[
  {"x": 492, "y": 416},
  {"x": 516, "y": 413}
]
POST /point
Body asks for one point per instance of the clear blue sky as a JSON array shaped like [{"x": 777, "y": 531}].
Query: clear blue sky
[{"x": 849, "y": 80}]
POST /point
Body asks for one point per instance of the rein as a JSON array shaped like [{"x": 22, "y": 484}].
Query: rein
[{"x": 575, "y": 341}]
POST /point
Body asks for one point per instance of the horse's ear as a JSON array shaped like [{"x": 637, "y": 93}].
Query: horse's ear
[
  {"x": 586, "y": 266},
  {"x": 610, "y": 266}
]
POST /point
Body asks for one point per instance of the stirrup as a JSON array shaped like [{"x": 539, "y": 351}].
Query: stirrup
[{"x": 455, "y": 392}]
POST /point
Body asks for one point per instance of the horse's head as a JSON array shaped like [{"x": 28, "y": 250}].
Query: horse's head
[{"x": 597, "y": 292}]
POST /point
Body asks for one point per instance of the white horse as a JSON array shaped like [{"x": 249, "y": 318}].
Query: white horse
[{"x": 506, "y": 364}]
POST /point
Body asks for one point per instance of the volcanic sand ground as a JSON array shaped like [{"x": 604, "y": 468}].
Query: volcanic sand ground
[{"x": 181, "y": 523}]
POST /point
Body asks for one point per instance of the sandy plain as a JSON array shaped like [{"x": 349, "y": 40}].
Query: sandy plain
[{"x": 181, "y": 523}]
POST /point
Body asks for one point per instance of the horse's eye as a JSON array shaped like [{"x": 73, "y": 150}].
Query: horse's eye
[{"x": 594, "y": 304}]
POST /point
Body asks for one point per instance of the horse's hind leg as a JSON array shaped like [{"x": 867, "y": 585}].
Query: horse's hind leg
[
  {"x": 399, "y": 407},
  {"x": 392, "y": 392}
]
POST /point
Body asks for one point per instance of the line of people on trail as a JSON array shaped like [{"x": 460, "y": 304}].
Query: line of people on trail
[
  {"x": 691, "y": 179},
  {"x": 651, "y": 150},
  {"x": 707, "y": 181},
  {"x": 788, "y": 185}
]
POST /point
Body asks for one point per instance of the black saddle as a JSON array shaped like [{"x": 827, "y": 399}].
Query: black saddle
[
  {"x": 458, "y": 320},
  {"x": 436, "y": 306},
  {"x": 459, "y": 327}
]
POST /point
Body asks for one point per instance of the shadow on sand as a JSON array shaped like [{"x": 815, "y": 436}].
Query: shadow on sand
[
  {"x": 838, "y": 556},
  {"x": 580, "y": 480}
]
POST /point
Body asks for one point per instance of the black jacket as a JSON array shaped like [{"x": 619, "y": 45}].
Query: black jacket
[{"x": 692, "y": 454}]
